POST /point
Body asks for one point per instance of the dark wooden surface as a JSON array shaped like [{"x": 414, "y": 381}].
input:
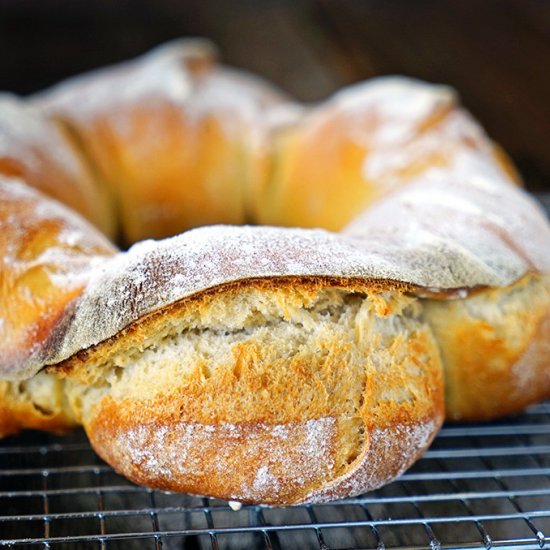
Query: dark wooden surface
[{"x": 495, "y": 52}]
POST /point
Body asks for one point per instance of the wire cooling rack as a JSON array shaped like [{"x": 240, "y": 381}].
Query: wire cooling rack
[{"x": 479, "y": 486}]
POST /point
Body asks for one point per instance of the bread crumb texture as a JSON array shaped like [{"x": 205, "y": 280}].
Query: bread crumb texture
[
  {"x": 272, "y": 393},
  {"x": 38, "y": 403}
]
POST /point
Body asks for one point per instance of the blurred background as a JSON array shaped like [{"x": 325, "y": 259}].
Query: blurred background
[{"x": 496, "y": 53}]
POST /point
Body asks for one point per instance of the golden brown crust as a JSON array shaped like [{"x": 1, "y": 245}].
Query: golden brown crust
[
  {"x": 47, "y": 254},
  {"x": 277, "y": 465},
  {"x": 495, "y": 349}
]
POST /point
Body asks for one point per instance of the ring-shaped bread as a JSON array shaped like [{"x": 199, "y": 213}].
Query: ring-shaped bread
[{"x": 261, "y": 363}]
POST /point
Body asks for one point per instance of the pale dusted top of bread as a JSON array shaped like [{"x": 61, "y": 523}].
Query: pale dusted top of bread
[
  {"x": 473, "y": 208},
  {"x": 183, "y": 73}
]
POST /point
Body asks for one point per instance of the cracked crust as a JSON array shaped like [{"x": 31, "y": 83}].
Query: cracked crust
[{"x": 278, "y": 392}]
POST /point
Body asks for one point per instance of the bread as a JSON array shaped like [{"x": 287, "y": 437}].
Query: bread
[
  {"x": 176, "y": 139},
  {"x": 39, "y": 151},
  {"x": 377, "y": 136},
  {"x": 255, "y": 363},
  {"x": 47, "y": 253}
]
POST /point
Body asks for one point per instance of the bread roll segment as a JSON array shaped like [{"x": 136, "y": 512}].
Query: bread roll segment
[
  {"x": 493, "y": 341},
  {"x": 177, "y": 139},
  {"x": 495, "y": 348},
  {"x": 274, "y": 391},
  {"x": 47, "y": 253},
  {"x": 367, "y": 141}
]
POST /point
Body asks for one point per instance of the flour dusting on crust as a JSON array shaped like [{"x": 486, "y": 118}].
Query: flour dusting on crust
[
  {"x": 288, "y": 455},
  {"x": 38, "y": 280},
  {"x": 33, "y": 139},
  {"x": 181, "y": 74},
  {"x": 402, "y": 106},
  {"x": 281, "y": 457}
]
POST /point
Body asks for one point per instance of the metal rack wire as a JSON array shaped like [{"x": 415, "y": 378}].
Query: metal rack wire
[{"x": 479, "y": 486}]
